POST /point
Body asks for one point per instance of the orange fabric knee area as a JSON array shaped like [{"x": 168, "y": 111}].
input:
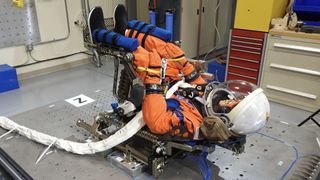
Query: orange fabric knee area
[
  {"x": 141, "y": 59},
  {"x": 151, "y": 59},
  {"x": 160, "y": 120}
]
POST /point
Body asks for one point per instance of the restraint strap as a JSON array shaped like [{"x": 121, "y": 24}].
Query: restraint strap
[
  {"x": 133, "y": 29},
  {"x": 105, "y": 35},
  {"x": 96, "y": 33},
  {"x": 140, "y": 29},
  {"x": 114, "y": 39},
  {"x": 146, "y": 35}
]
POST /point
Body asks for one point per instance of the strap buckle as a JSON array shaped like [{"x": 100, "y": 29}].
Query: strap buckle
[{"x": 163, "y": 70}]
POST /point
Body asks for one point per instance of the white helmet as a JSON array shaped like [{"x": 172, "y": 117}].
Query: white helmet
[{"x": 242, "y": 105}]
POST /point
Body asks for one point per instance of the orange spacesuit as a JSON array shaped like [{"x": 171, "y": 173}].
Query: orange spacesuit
[{"x": 176, "y": 115}]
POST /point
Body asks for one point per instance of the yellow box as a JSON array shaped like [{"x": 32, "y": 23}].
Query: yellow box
[{"x": 257, "y": 14}]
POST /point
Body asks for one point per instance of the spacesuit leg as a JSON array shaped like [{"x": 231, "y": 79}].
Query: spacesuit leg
[
  {"x": 174, "y": 55},
  {"x": 181, "y": 119}
]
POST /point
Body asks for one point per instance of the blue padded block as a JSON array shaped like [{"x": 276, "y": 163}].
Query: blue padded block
[
  {"x": 157, "y": 32},
  {"x": 8, "y": 78},
  {"x": 129, "y": 44},
  {"x": 310, "y": 6},
  {"x": 219, "y": 71}
]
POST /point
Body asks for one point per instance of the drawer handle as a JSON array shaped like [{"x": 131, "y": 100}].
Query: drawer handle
[
  {"x": 293, "y": 92},
  {"x": 240, "y": 75},
  {"x": 245, "y": 42},
  {"x": 240, "y": 50},
  {"x": 254, "y": 48},
  {"x": 299, "y": 48},
  {"x": 295, "y": 69},
  {"x": 244, "y": 59},
  {"x": 247, "y": 38},
  {"x": 250, "y": 69}
]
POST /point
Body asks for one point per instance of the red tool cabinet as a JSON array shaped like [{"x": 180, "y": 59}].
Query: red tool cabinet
[{"x": 245, "y": 56}]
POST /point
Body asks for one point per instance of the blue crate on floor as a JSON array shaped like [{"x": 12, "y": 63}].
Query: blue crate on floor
[
  {"x": 8, "y": 78},
  {"x": 218, "y": 70}
]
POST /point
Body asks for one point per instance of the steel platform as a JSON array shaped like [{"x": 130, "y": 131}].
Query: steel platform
[{"x": 267, "y": 155}]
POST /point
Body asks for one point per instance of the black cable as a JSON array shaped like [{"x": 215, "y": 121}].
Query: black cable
[{"x": 50, "y": 59}]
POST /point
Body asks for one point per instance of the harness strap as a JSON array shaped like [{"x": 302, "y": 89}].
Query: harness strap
[
  {"x": 153, "y": 75},
  {"x": 177, "y": 59},
  {"x": 153, "y": 89},
  {"x": 184, "y": 65},
  {"x": 155, "y": 67},
  {"x": 143, "y": 69}
]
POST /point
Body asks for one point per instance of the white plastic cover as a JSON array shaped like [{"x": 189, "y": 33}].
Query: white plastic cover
[
  {"x": 251, "y": 107},
  {"x": 251, "y": 114},
  {"x": 130, "y": 129}
]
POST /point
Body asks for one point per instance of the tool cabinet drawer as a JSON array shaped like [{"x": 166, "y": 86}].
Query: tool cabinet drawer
[
  {"x": 245, "y": 54},
  {"x": 291, "y": 72},
  {"x": 295, "y": 46}
]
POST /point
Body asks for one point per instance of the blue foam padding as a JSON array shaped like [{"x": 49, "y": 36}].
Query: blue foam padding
[
  {"x": 8, "y": 78},
  {"x": 157, "y": 32},
  {"x": 218, "y": 70},
  {"x": 128, "y": 44},
  {"x": 169, "y": 22},
  {"x": 152, "y": 17}
]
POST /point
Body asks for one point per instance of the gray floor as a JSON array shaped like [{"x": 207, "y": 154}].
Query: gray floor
[
  {"x": 52, "y": 87},
  {"x": 47, "y": 89}
]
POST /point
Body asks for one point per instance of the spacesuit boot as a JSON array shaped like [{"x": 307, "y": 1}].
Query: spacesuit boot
[
  {"x": 120, "y": 19},
  {"x": 95, "y": 20}
]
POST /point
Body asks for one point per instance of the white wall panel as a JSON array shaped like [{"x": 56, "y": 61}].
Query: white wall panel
[
  {"x": 224, "y": 22},
  {"x": 52, "y": 19},
  {"x": 52, "y": 25}
]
